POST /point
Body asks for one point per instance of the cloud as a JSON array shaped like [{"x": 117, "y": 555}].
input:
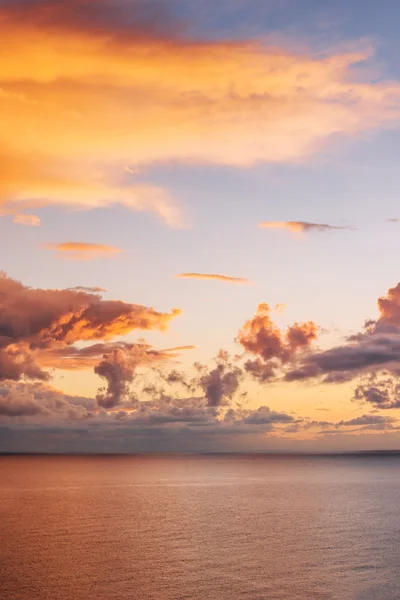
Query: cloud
[
  {"x": 367, "y": 420},
  {"x": 40, "y": 404},
  {"x": 17, "y": 360},
  {"x": 73, "y": 358},
  {"x": 27, "y": 183},
  {"x": 372, "y": 356},
  {"x": 261, "y": 416},
  {"x": 81, "y": 250},
  {"x": 301, "y": 226},
  {"x": 117, "y": 18},
  {"x": 389, "y": 309},
  {"x": 40, "y": 401},
  {"x": 383, "y": 391},
  {"x": 271, "y": 347},
  {"x": 28, "y": 220},
  {"x": 211, "y": 276},
  {"x": 220, "y": 384},
  {"x": 118, "y": 367},
  {"x": 65, "y": 67},
  {"x": 35, "y": 321},
  {"x": 375, "y": 349},
  {"x": 24, "y": 407},
  {"x": 34, "y": 412},
  {"x": 90, "y": 290},
  {"x": 342, "y": 363},
  {"x": 280, "y": 308}
]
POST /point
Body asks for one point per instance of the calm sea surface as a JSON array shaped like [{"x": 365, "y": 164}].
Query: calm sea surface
[{"x": 199, "y": 527}]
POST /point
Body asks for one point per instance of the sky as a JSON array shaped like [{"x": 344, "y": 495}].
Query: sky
[{"x": 199, "y": 227}]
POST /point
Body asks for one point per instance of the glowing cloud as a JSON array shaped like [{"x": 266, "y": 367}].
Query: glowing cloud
[
  {"x": 271, "y": 347},
  {"x": 301, "y": 226},
  {"x": 212, "y": 276},
  {"x": 64, "y": 67},
  {"x": 35, "y": 323},
  {"x": 81, "y": 250}
]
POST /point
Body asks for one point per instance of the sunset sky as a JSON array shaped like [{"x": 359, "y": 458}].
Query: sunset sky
[{"x": 199, "y": 225}]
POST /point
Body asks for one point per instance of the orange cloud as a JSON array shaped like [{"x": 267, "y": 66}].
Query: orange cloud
[
  {"x": 34, "y": 322},
  {"x": 81, "y": 250},
  {"x": 300, "y": 226},
  {"x": 280, "y": 308},
  {"x": 81, "y": 98},
  {"x": 29, "y": 220},
  {"x": 273, "y": 348},
  {"x": 224, "y": 278}
]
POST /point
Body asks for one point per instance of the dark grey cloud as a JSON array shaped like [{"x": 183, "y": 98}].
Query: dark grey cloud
[
  {"x": 302, "y": 226},
  {"x": 342, "y": 363},
  {"x": 367, "y": 420},
  {"x": 382, "y": 391},
  {"x": 374, "y": 351},
  {"x": 220, "y": 384}
]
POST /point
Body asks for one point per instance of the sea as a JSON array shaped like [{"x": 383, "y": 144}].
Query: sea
[{"x": 200, "y": 527}]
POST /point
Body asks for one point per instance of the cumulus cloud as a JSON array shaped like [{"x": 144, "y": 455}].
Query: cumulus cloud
[
  {"x": 382, "y": 391},
  {"x": 301, "y": 226},
  {"x": 65, "y": 66},
  {"x": 373, "y": 350},
  {"x": 28, "y": 220},
  {"x": 217, "y": 385},
  {"x": 40, "y": 401},
  {"x": 163, "y": 422},
  {"x": 271, "y": 347},
  {"x": 82, "y": 250},
  {"x": 212, "y": 276},
  {"x": 118, "y": 367},
  {"x": 220, "y": 384},
  {"x": 36, "y": 321},
  {"x": 161, "y": 418},
  {"x": 371, "y": 356}
]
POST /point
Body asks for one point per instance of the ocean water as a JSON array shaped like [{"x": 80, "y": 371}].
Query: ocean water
[{"x": 199, "y": 527}]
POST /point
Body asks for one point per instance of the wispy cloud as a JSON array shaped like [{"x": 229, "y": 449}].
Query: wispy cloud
[
  {"x": 302, "y": 226},
  {"x": 213, "y": 276},
  {"x": 64, "y": 66},
  {"x": 90, "y": 290},
  {"x": 28, "y": 220},
  {"x": 280, "y": 308},
  {"x": 82, "y": 250}
]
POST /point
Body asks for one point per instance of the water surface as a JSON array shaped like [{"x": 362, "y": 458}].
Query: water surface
[{"x": 199, "y": 527}]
